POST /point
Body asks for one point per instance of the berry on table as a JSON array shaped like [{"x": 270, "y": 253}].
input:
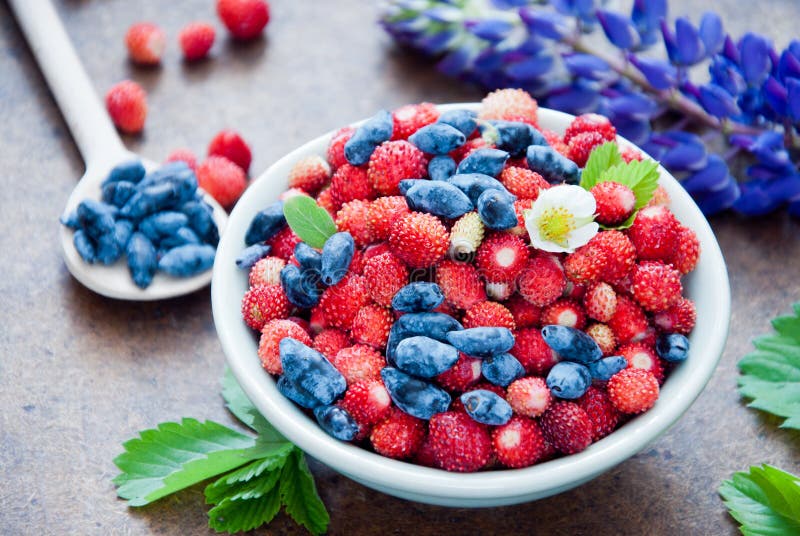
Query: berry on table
[
  {"x": 126, "y": 103},
  {"x": 633, "y": 390},
  {"x": 145, "y": 42},
  {"x": 196, "y": 40},
  {"x": 244, "y": 19},
  {"x": 183, "y": 155},
  {"x": 272, "y": 334},
  {"x": 231, "y": 145},
  {"x": 222, "y": 179}
]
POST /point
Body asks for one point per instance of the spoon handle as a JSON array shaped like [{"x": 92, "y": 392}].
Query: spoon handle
[{"x": 91, "y": 127}]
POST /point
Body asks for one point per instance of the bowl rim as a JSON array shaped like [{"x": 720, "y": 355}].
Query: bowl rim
[{"x": 389, "y": 474}]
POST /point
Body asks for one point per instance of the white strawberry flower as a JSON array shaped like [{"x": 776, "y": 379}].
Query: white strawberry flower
[{"x": 561, "y": 219}]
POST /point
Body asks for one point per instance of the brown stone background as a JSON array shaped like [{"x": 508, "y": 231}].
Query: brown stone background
[{"x": 79, "y": 374}]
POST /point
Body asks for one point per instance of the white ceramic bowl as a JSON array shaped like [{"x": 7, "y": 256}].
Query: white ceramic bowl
[{"x": 707, "y": 286}]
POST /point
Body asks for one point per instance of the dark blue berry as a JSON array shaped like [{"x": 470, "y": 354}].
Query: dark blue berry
[
  {"x": 130, "y": 171},
  {"x": 482, "y": 342},
  {"x": 336, "y": 256},
  {"x": 516, "y": 137},
  {"x": 151, "y": 199},
  {"x": 118, "y": 193},
  {"x": 437, "y": 138},
  {"x": 571, "y": 344},
  {"x": 604, "y": 368},
  {"x": 308, "y": 257},
  {"x": 336, "y": 422},
  {"x": 301, "y": 287},
  {"x": 462, "y": 120},
  {"x": 496, "y": 209},
  {"x": 441, "y": 168},
  {"x": 375, "y": 130},
  {"x": 485, "y": 161},
  {"x": 552, "y": 165},
  {"x": 70, "y": 219},
  {"x": 172, "y": 172},
  {"x": 438, "y": 198},
  {"x": 418, "y": 297},
  {"x": 251, "y": 255},
  {"x": 201, "y": 221},
  {"x": 157, "y": 226},
  {"x": 568, "y": 380},
  {"x": 108, "y": 251},
  {"x": 122, "y": 232},
  {"x": 265, "y": 224},
  {"x": 424, "y": 357},
  {"x": 405, "y": 185},
  {"x": 474, "y": 184},
  {"x": 416, "y": 397},
  {"x": 182, "y": 236},
  {"x": 296, "y": 394},
  {"x": 142, "y": 261},
  {"x": 502, "y": 369},
  {"x": 187, "y": 260},
  {"x": 486, "y": 407},
  {"x": 433, "y": 325},
  {"x": 84, "y": 246},
  {"x": 310, "y": 370},
  {"x": 96, "y": 218},
  {"x": 672, "y": 347}
]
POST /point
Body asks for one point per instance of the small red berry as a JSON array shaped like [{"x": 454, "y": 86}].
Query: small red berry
[
  {"x": 384, "y": 212},
  {"x": 567, "y": 427},
  {"x": 509, "y": 105},
  {"x": 411, "y": 117},
  {"x": 419, "y": 239},
  {"x": 458, "y": 442},
  {"x": 602, "y": 413},
  {"x": 523, "y": 183},
  {"x": 384, "y": 275},
  {"x": 629, "y": 322},
  {"x": 245, "y": 19},
  {"x": 264, "y": 303},
  {"x": 272, "y": 334},
  {"x": 590, "y": 123},
  {"x": 532, "y": 352},
  {"x": 358, "y": 363},
  {"x": 633, "y": 390},
  {"x": 679, "y": 318},
  {"x": 335, "y": 152},
  {"x": 529, "y": 396},
  {"x": 398, "y": 436},
  {"x": 656, "y": 286},
  {"x": 353, "y": 218},
  {"x": 581, "y": 145},
  {"x": 126, "y": 103},
  {"x": 687, "y": 251},
  {"x": 542, "y": 280},
  {"x": 615, "y": 202},
  {"x": 329, "y": 341},
  {"x": 488, "y": 314},
  {"x": 230, "y": 144},
  {"x": 619, "y": 252},
  {"x": 604, "y": 337},
  {"x": 642, "y": 356},
  {"x": 310, "y": 174},
  {"x": 600, "y": 301},
  {"x": 654, "y": 233},
  {"x": 460, "y": 284},
  {"x": 518, "y": 443},
  {"x": 222, "y": 179},
  {"x": 283, "y": 243},
  {"x": 461, "y": 376},
  {"x": 525, "y": 313},
  {"x": 371, "y": 326},
  {"x": 266, "y": 271},
  {"x": 146, "y": 43},
  {"x": 367, "y": 401},
  {"x": 183, "y": 155},
  {"x": 393, "y": 161},
  {"x": 196, "y": 40},
  {"x": 564, "y": 312},
  {"x": 501, "y": 257},
  {"x": 341, "y": 302}
]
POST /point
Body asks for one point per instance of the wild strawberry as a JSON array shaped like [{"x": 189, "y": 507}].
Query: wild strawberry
[
  {"x": 393, "y": 161},
  {"x": 629, "y": 323},
  {"x": 374, "y": 250},
  {"x": 310, "y": 174},
  {"x": 564, "y": 312},
  {"x": 196, "y": 39},
  {"x": 353, "y": 217},
  {"x": 383, "y": 212},
  {"x": 316, "y": 320},
  {"x": 529, "y": 396},
  {"x": 460, "y": 284},
  {"x": 398, "y": 436},
  {"x": 371, "y": 326},
  {"x": 461, "y": 376},
  {"x": 357, "y": 263},
  {"x": 602, "y": 413},
  {"x": 520, "y": 206},
  {"x": 126, "y": 103},
  {"x": 359, "y": 363},
  {"x": 519, "y": 442},
  {"x": 654, "y": 233},
  {"x": 633, "y": 390},
  {"x": 302, "y": 322},
  {"x": 222, "y": 179},
  {"x": 488, "y": 314},
  {"x": 465, "y": 237},
  {"x": 350, "y": 182},
  {"x": 590, "y": 123},
  {"x": 615, "y": 202},
  {"x": 272, "y": 334},
  {"x": 231, "y": 145},
  {"x": 656, "y": 286},
  {"x": 619, "y": 253},
  {"x": 509, "y": 105},
  {"x": 501, "y": 257},
  {"x": 498, "y": 291},
  {"x": 329, "y": 341},
  {"x": 581, "y": 145},
  {"x": 679, "y": 318},
  {"x": 384, "y": 275},
  {"x": 643, "y": 357},
  {"x": 412, "y": 117},
  {"x": 520, "y": 162},
  {"x": 555, "y": 141},
  {"x": 458, "y": 442},
  {"x": 532, "y": 352},
  {"x": 660, "y": 197},
  {"x": 541, "y": 281},
  {"x": 567, "y": 427},
  {"x": 525, "y": 313},
  {"x": 419, "y": 239},
  {"x": 183, "y": 155},
  {"x": 326, "y": 201},
  {"x": 600, "y": 301},
  {"x": 283, "y": 243},
  {"x": 470, "y": 145},
  {"x": 341, "y": 302},
  {"x": 335, "y": 152},
  {"x": 629, "y": 154},
  {"x": 367, "y": 401},
  {"x": 586, "y": 264},
  {"x": 266, "y": 271},
  {"x": 264, "y": 303},
  {"x": 146, "y": 43},
  {"x": 244, "y": 19},
  {"x": 687, "y": 251},
  {"x": 523, "y": 183},
  {"x": 424, "y": 455},
  {"x": 604, "y": 337}
]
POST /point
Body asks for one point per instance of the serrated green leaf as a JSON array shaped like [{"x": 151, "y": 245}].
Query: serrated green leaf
[
  {"x": 641, "y": 176},
  {"x": 771, "y": 374},
  {"x": 600, "y": 159},
  {"x": 175, "y": 456},
  {"x": 308, "y": 220},
  {"x": 239, "y": 515},
  {"x": 236, "y": 481},
  {"x": 299, "y": 495},
  {"x": 239, "y": 404},
  {"x": 765, "y": 501}
]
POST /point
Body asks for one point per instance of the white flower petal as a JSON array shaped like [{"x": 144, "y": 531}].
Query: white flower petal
[
  {"x": 583, "y": 203},
  {"x": 582, "y": 235}
]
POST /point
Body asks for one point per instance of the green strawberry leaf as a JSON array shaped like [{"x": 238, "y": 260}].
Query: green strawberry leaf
[
  {"x": 248, "y": 511},
  {"x": 641, "y": 176},
  {"x": 771, "y": 374},
  {"x": 250, "y": 481},
  {"x": 600, "y": 159},
  {"x": 765, "y": 501},
  {"x": 299, "y": 495},
  {"x": 308, "y": 220}
]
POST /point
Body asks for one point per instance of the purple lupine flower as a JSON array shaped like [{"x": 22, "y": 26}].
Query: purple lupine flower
[
  {"x": 575, "y": 99},
  {"x": 582, "y": 9},
  {"x": 679, "y": 151},
  {"x": 776, "y": 95},
  {"x": 793, "y": 98},
  {"x": 530, "y": 67},
  {"x": 689, "y": 48},
  {"x": 492, "y": 30},
  {"x": 588, "y": 66},
  {"x": 619, "y": 29},
  {"x": 635, "y": 130},
  {"x": 714, "y": 176},
  {"x": 755, "y": 60},
  {"x": 646, "y": 15},
  {"x": 659, "y": 73},
  {"x": 754, "y": 200},
  {"x": 545, "y": 23},
  {"x": 726, "y": 73},
  {"x": 715, "y": 201},
  {"x": 711, "y": 33},
  {"x": 717, "y": 101},
  {"x": 788, "y": 65},
  {"x": 633, "y": 106}
]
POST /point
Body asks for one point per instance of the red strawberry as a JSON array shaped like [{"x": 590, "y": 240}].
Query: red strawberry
[
  {"x": 424, "y": 455},
  {"x": 529, "y": 396},
  {"x": 600, "y": 301},
  {"x": 183, "y": 155},
  {"x": 245, "y": 19},
  {"x": 350, "y": 182},
  {"x": 582, "y": 144},
  {"x": 229, "y": 143},
  {"x": 460, "y": 284},
  {"x": 519, "y": 442},
  {"x": 374, "y": 250},
  {"x": 660, "y": 197},
  {"x": 384, "y": 275},
  {"x": 604, "y": 337},
  {"x": 523, "y": 183},
  {"x": 316, "y": 320},
  {"x": 393, "y": 161},
  {"x": 458, "y": 442},
  {"x": 329, "y": 341},
  {"x": 353, "y": 217},
  {"x": 541, "y": 281},
  {"x": 359, "y": 363},
  {"x": 412, "y": 117},
  {"x": 264, "y": 303},
  {"x": 222, "y": 179},
  {"x": 461, "y": 376},
  {"x": 602, "y": 413},
  {"x": 687, "y": 251},
  {"x": 196, "y": 39},
  {"x": 679, "y": 318},
  {"x": 619, "y": 253},
  {"x": 656, "y": 286},
  {"x": 371, "y": 326},
  {"x": 615, "y": 201},
  {"x": 531, "y": 350},
  {"x": 335, "y": 152},
  {"x": 398, "y": 436},
  {"x": 643, "y": 357},
  {"x": 326, "y": 201},
  {"x": 564, "y": 312},
  {"x": 470, "y": 145},
  {"x": 341, "y": 302},
  {"x": 367, "y": 401},
  {"x": 269, "y": 345},
  {"x": 357, "y": 263},
  {"x": 590, "y": 123},
  {"x": 509, "y": 105},
  {"x": 488, "y": 314},
  {"x": 567, "y": 427},
  {"x": 283, "y": 243},
  {"x": 266, "y": 271},
  {"x": 586, "y": 264},
  {"x": 555, "y": 141},
  {"x": 525, "y": 313},
  {"x": 633, "y": 390},
  {"x": 126, "y": 103},
  {"x": 419, "y": 239},
  {"x": 501, "y": 257},
  {"x": 654, "y": 233},
  {"x": 630, "y": 154},
  {"x": 629, "y": 323},
  {"x": 310, "y": 174},
  {"x": 146, "y": 43},
  {"x": 383, "y": 212},
  {"x": 520, "y": 206}
]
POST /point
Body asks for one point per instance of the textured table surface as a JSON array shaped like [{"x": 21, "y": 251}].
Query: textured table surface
[{"x": 79, "y": 374}]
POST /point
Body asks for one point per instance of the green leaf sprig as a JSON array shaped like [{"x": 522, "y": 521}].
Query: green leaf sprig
[
  {"x": 765, "y": 501},
  {"x": 308, "y": 220},
  {"x": 257, "y": 475}
]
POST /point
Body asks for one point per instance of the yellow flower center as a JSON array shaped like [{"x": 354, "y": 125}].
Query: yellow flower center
[{"x": 556, "y": 224}]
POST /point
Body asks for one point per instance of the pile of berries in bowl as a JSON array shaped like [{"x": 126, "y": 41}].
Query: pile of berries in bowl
[{"x": 490, "y": 288}]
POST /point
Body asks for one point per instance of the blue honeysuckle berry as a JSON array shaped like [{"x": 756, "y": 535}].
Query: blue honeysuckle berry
[
  {"x": 142, "y": 260},
  {"x": 486, "y": 407},
  {"x": 424, "y": 357},
  {"x": 185, "y": 235},
  {"x": 486, "y": 161},
  {"x": 496, "y": 209},
  {"x": 201, "y": 221},
  {"x": 515, "y": 137},
  {"x": 568, "y": 380},
  {"x": 96, "y": 218},
  {"x": 336, "y": 256},
  {"x": 108, "y": 251},
  {"x": 416, "y": 397},
  {"x": 552, "y": 166},
  {"x": 502, "y": 369},
  {"x": 418, "y": 297},
  {"x": 162, "y": 224},
  {"x": 374, "y": 131},
  {"x": 130, "y": 171},
  {"x": 441, "y": 168},
  {"x": 571, "y": 344},
  {"x": 672, "y": 347},
  {"x": 474, "y": 184},
  {"x": 84, "y": 246},
  {"x": 337, "y": 422},
  {"x": 439, "y": 198},
  {"x": 433, "y": 325},
  {"x": 123, "y": 229},
  {"x": 250, "y": 255},
  {"x": 117, "y": 193},
  {"x": 308, "y": 257},
  {"x": 265, "y": 224},
  {"x": 187, "y": 260},
  {"x": 462, "y": 120},
  {"x": 437, "y": 138},
  {"x": 604, "y": 368},
  {"x": 298, "y": 288},
  {"x": 310, "y": 370},
  {"x": 296, "y": 394},
  {"x": 482, "y": 341}
]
